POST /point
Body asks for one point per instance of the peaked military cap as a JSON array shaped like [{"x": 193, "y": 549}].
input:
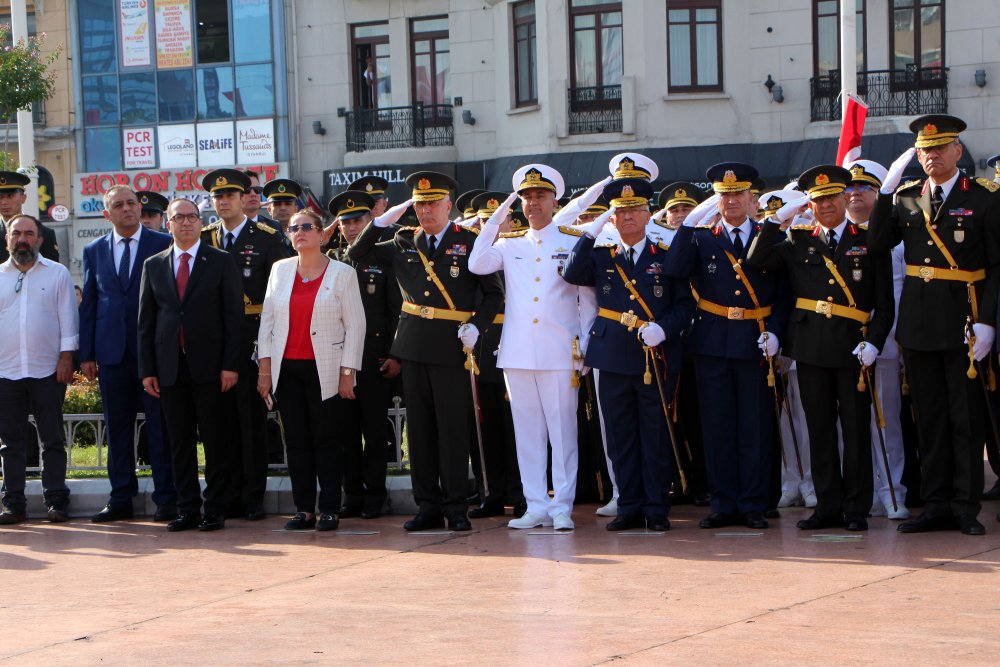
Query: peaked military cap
[
  {"x": 13, "y": 180},
  {"x": 351, "y": 204},
  {"x": 282, "y": 189},
  {"x": 731, "y": 176},
  {"x": 219, "y": 180},
  {"x": 936, "y": 129},
  {"x": 152, "y": 202},
  {"x": 995, "y": 163},
  {"x": 824, "y": 180},
  {"x": 486, "y": 203},
  {"x": 430, "y": 185},
  {"x": 680, "y": 192},
  {"x": 770, "y": 202},
  {"x": 628, "y": 192},
  {"x": 633, "y": 165},
  {"x": 374, "y": 186},
  {"x": 868, "y": 172},
  {"x": 464, "y": 202},
  {"x": 538, "y": 176}
]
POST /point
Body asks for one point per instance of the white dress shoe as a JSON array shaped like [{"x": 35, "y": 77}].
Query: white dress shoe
[
  {"x": 790, "y": 500},
  {"x": 898, "y": 514},
  {"x": 810, "y": 500},
  {"x": 529, "y": 521},
  {"x": 611, "y": 509},
  {"x": 562, "y": 522}
]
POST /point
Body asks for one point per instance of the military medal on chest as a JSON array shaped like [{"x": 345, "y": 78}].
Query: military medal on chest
[
  {"x": 658, "y": 291},
  {"x": 453, "y": 271}
]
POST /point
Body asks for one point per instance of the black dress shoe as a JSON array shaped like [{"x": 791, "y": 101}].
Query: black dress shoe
[
  {"x": 522, "y": 507},
  {"x": 57, "y": 514},
  {"x": 212, "y": 522},
  {"x": 255, "y": 513},
  {"x": 755, "y": 520},
  {"x": 626, "y": 522},
  {"x": 658, "y": 524},
  {"x": 819, "y": 521},
  {"x": 968, "y": 524},
  {"x": 9, "y": 517},
  {"x": 992, "y": 493},
  {"x": 485, "y": 510},
  {"x": 855, "y": 523},
  {"x": 459, "y": 522},
  {"x": 184, "y": 522},
  {"x": 702, "y": 499},
  {"x": 720, "y": 520},
  {"x": 424, "y": 521},
  {"x": 116, "y": 512},
  {"x": 926, "y": 523},
  {"x": 165, "y": 512},
  {"x": 301, "y": 521},
  {"x": 371, "y": 514},
  {"x": 772, "y": 513},
  {"x": 327, "y": 522},
  {"x": 350, "y": 512}
]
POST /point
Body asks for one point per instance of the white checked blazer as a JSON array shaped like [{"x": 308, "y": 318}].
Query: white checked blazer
[{"x": 338, "y": 322}]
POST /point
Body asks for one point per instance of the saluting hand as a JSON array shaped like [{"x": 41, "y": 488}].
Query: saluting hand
[
  {"x": 702, "y": 211},
  {"x": 896, "y": 169},
  {"x": 393, "y": 214}
]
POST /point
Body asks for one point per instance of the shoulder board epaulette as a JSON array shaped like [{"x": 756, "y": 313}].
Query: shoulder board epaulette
[
  {"x": 214, "y": 225},
  {"x": 802, "y": 228},
  {"x": 863, "y": 226},
  {"x": 606, "y": 245},
  {"x": 662, "y": 223},
  {"x": 266, "y": 228},
  {"x": 408, "y": 229},
  {"x": 474, "y": 230},
  {"x": 662, "y": 246},
  {"x": 511, "y": 235},
  {"x": 705, "y": 225},
  {"x": 908, "y": 184},
  {"x": 989, "y": 185},
  {"x": 572, "y": 231}
]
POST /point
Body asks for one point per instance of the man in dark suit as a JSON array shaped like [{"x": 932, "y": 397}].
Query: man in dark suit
[
  {"x": 190, "y": 344},
  {"x": 112, "y": 266},
  {"x": 12, "y": 198},
  {"x": 640, "y": 310},
  {"x": 365, "y": 417},
  {"x": 440, "y": 297},
  {"x": 255, "y": 246},
  {"x": 950, "y": 227},
  {"x": 844, "y": 310}
]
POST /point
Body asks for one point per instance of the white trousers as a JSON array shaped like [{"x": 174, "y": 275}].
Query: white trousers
[
  {"x": 886, "y": 375},
  {"x": 604, "y": 435},
  {"x": 543, "y": 405},
  {"x": 792, "y": 483}
]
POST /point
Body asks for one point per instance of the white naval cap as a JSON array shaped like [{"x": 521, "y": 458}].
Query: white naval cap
[
  {"x": 633, "y": 165},
  {"x": 866, "y": 171},
  {"x": 538, "y": 176},
  {"x": 770, "y": 202}
]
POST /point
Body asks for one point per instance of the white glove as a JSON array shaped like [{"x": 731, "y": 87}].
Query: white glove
[
  {"x": 768, "y": 344},
  {"x": 501, "y": 213},
  {"x": 571, "y": 211},
  {"x": 896, "y": 169},
  {"x": 867, "y": 353},
  {"x": 392, "y": 215},
  {"x": 786, "y": 212},
  {"x": 701, "y": 211},
  {"x": 594, "y": 229},
  {"x": 469, "y": 334},
  {"x": 659, "y": 214},
  {"x": 985, "y": 335},
  {"x": 652, "y": 334}
]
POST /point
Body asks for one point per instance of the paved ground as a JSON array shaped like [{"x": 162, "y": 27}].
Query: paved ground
[{"x": 131, "y": 593}]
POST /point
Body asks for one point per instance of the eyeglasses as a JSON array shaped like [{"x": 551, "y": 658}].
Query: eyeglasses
[
  {"x": 305, "y": 227},
  {"x": 256, "y": 189},
  {"x": 19, "y": 283},
  {"x": 857, "y": 189},
  {"x": 178, "y": 218}
]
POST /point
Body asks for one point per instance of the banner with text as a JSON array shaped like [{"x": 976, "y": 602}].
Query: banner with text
[
  {"x": 173, "y": 34},
  {"x": 134, "y": 18}
]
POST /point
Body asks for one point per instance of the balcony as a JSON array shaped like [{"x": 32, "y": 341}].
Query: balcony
[
  {"x": 902, "y": 92},
  {"x": 415, "y": 126},
  {"x": 595, "y": 110}
]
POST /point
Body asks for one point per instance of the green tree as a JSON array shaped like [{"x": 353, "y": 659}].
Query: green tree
[{"x": 25, "y": 78}]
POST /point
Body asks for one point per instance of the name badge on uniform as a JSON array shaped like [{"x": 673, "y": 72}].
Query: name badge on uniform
[
  {"x": 959, "y": 235},
  {"x": 856, "y": 274},
  {"x": 658, "y": 291},
  {"x": 453, "y": 271},
  {"x": 371, "y": 288}
]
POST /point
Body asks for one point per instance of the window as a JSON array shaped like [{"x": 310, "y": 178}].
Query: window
[
  {"x": 917, "y": 33},
  {"x": 596, "y": 46},
  {"x": 525, "y": 57},
  {"x": 371, "y": 66},
  {"x": 826, "y": 31},
  {"x": 429, "y": 38},
  {"x": 212, "y": 19},
  {"x": 98, "y": 50},
  {"x": 694, "y": 45}
]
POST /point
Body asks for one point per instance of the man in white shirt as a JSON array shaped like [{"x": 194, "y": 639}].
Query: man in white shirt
[
  {"x": 544, "y": 309},
  {"x": 40, "y": 323}
]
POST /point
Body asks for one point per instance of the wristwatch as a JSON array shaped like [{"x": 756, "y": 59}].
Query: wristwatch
[{"x": 347, "y": 371}]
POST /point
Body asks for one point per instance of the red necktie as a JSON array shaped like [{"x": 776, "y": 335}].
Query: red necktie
[{"x": 183, "y": 273}]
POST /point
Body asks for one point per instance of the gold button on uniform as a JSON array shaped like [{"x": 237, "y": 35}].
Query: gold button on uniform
[
  {"x": 538, "y": 279},
  {"x": 929, "y": 242},
  {"x": 427, "y": 293},
  {"x": 535, "y": 321},
  {"x": 535, "y": 299},
  {"x": 538, "y": 259},
  {"x": 927, "y": 260},
  {"x": 737, "y": 292},
  {"x": 831, "y": 281}
]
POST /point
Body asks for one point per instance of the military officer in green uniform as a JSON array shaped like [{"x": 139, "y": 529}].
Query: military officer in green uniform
[{"x": 154, "y": 205}]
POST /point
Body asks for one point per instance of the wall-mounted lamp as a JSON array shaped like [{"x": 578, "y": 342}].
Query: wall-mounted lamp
[
  {"x": 777, "y": 94},
  {"x": 318, "y": 128},
  {"x": 467, "y": 117},
  {"x": 981, "y": 78}
]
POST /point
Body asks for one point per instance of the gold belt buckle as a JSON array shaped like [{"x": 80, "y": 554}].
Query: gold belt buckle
[
  {"x": 427, "y": 312},
  {"x": 629, "y": 320},
  {"x": 824, "y": 308},
  {"x": 927, "y": 273},
  {"x": 735, "y": 313}
]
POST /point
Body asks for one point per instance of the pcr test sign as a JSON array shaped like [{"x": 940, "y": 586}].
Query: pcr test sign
[{"x": 139, "y": 147}]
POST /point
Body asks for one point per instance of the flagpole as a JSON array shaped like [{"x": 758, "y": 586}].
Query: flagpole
[{"x": 848, "y": 53}]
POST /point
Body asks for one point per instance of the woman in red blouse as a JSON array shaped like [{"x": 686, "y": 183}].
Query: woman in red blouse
[{"x": 312, "y": 331}]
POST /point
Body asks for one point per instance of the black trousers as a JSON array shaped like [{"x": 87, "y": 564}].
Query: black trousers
[
  {"x": 951, "y": 414},
  {"x": 366, "y": 433},
  {"x": 842, "y": 487},
  {"x": 191, "y": 410},
  {"x": 502, "y": 472},
  {"x": 248, "y": 445},
  {"x": 438, "y": 414},
  {"x": 311, "y": 442}
]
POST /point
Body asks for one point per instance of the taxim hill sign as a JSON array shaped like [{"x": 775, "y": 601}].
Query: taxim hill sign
[{"x": 89, "y": 188}]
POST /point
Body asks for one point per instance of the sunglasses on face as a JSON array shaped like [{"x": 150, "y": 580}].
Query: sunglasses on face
[
  {"x": 256, "y": 189},
  {"x": 305, "y": 227}
]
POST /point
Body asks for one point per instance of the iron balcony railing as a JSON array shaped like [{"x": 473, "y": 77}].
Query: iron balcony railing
[
  {"x": 896, "y": 92},
  {"x": 595, "y": 109},
  {"x": 414, "y": 126}
]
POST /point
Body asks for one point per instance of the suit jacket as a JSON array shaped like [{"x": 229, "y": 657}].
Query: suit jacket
[
  {"x": 814, "y": 338},
  {"x": 211, "y": 314},
  {"x": 612, "y": 346},
  {"x": 932, "y": 314},
  {"x": 49, "y": 249},
  {"x": 109, "y": 311},
  {"x": 699, "y": 254},
  {"x": 432, "y": 341},
  {"x": 337, "y": 325}
]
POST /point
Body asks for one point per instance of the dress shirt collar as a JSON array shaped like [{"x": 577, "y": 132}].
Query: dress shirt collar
[
  {"x": 946, "y": 186},
  {"x": 9, "y": 264},
  {"x": 638, "y": 247},
  {"x": 744, "y": 228},
  {"x": 118, "y": 237},
  {"x": 223, "y": 231},
  {"x": 839, "y": 229},
  {"x": 193, "y": 251}
]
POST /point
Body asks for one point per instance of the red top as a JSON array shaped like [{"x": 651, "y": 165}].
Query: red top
[{"x": 300, "y": 310}]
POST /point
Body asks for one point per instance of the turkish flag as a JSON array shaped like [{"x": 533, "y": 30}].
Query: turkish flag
[{"x": 849, "y": 148}]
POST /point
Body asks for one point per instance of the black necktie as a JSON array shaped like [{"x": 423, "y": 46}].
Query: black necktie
[
  {"x": 431, "y": 245},
  {"x": 631, "y": 258},
  {"x": 737, "y": 241},
  {"x": 832, "y": 240},
  {"x": 937, "y": 200},
  {"x": 126, "y": 260},
  {"x": 230, "y": 240}
]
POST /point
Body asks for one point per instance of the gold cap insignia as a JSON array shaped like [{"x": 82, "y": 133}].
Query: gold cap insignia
[
  {"x": 680, "y": 193},
  {"x": 493, "y": 203},
  {"x": 3, "y": 181},
  {"x": 626, "y": 164},
  {"x": 144, "y": 200},
  {"x": 774, "y": 204},
  {"x": 281, "y": 188},
  {"x": 822, "y": 179},
  {"x": 350, "y": 203},
  {"x": 221, "y": 180},
  {"x": 423, "y": 184},
  {"x": 533, "y": 176},
  {"x": 857, "y": 170},
  {"x": 627, "y": 191},
  {"x": 929, "y": 128},
  {"x": 368, "y": 187},
  {"x": 729, "y": 177}
]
